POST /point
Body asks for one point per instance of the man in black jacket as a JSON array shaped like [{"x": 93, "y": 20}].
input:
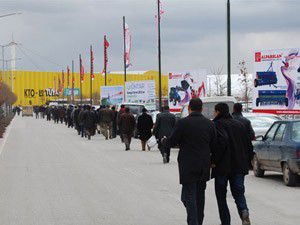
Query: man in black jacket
[
  {"x": 165, "y": 123},
  {"x": 230, "y": 162},
  {"x": 237, "y": 115},
  {"x": 195, "y": 136}
]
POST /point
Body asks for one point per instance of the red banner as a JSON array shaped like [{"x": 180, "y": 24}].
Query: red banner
[
  {"x": 81, "y": 70},
  {"x": 106, "y": 45},
  {"x": 92, "y": 64},
  {"x": 68, "y": 76}
]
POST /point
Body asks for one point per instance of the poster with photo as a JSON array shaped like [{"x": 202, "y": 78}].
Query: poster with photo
[
  {"x": 183, "y": 86},
  {"x": 111, "y": 95},
  {"x": 277, "y": 81}
]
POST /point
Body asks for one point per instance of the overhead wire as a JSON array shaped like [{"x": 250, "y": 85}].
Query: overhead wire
[{"x": 29, "y": 58}]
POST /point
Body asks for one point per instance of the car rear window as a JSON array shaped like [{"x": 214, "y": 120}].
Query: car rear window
[{"x": 296, "y": 132}]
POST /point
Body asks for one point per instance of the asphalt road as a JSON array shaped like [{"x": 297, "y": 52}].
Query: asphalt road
[{"x": 50, "y": 176}]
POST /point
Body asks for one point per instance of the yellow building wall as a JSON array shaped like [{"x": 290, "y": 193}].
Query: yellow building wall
[{"x": 30, "y": 86}]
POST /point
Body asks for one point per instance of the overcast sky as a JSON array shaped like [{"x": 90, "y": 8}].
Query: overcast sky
[{"x": 193, "y": 32}]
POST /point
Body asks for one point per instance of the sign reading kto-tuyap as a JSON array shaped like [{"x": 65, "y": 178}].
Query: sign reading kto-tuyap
[{"x": 49, "y": 92}]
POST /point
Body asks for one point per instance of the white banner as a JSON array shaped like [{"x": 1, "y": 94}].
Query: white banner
[
  {"x": 183, "y": 86},
  {"x": 142, "y": 92},
  {"x": 277, "y": 81}
]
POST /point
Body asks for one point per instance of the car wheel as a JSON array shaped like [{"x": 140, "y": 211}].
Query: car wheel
[
  {"x": 289, "y": 177},
  {"x": 258, "y": 172}
]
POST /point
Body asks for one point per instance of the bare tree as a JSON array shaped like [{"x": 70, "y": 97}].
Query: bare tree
[
  {"x": 246, "y": 82},
  {"x": 218, "y": 81}
]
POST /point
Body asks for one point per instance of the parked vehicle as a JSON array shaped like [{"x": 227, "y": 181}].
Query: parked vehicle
[
  {"x": 261, "y": 122},
  {"x": 209, "y": 105},
  {"x": 279, "y": 151},
  {"x": 272, "y": 97},
  {"x": 27, "y": 111}
]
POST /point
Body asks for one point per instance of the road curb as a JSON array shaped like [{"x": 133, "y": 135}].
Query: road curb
[{"x": 6, "y": 134}]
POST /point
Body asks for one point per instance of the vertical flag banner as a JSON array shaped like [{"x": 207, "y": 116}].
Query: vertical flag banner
[
  {"x": 161, "y": 12},
  {"x": 73, "y": 84},
  {"x": 68, "y": 77},
  {"x": 59, "y": 85},
  {"x": 106, "y": 45},
  {"x": 62, "y": 81},
  {"x": 128, "y": 42},
  {"x": 92, "y": 64},
  {"x": 81, "y": 70}
]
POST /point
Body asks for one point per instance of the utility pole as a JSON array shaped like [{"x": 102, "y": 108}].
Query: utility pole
[
  {"x": 228, "y": 51},
  {"x": 159, "y": 56},
  {"x": 80, "y": 78},
  {"x": 91, "y": 75}
]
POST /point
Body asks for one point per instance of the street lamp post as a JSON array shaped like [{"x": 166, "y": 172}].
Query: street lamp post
[
  {"x": 159, "y": 55},
  {"x": 228, "y": 51}
]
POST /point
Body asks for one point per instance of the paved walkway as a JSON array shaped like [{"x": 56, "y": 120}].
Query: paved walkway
[{"x": 50, "y": 176}]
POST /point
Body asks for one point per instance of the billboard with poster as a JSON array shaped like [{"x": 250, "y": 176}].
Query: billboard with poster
[
  {"x": 277, "y": 81},
  {"x": 183, "y": 86},
  {"x": 111, "y": 95},
  {"x": 142, "y": 92}
]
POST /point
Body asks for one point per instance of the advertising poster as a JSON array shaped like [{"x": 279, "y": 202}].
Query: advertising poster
[
  {"x": 111, "y": 95},
  {"x": 142, "y": 92},
  {"x": 183, "y": 86},
  {"x": 277, "y": 81},
  {"x": 68, "y": 92}
]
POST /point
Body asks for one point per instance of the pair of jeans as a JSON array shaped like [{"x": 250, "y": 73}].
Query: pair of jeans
[
  {"x": 193, "y": 198},
  {"x": 82, "y": 130},
  {"x": 237, "y": 188}
]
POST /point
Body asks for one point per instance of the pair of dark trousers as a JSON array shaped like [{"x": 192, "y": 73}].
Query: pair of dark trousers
[
  {"x": 237, "y": 188},
  {"x": 82, "y": 131},
  {"x": 127, "y": 140},
  {"x": 164, "y": 149},
  {"x": 193, "y": 198}
]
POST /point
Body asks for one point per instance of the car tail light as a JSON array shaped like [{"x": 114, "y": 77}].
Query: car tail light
[{"x": 298, "y": 153}]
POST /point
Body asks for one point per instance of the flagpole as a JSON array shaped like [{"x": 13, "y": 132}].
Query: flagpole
[
  {"x": 105, "y": 61},
  {"x": 91, "y": 82},
  {"x": 80, "y": 69},
  {"x": 159, "y": 57},
  {"x": 72, "y": 81},
  {"x": 124, "y": 55}
]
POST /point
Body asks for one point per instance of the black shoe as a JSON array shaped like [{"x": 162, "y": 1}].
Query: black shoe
[
  {"x": 245, "y": 218},
  {"x": 127, "y": 149}
]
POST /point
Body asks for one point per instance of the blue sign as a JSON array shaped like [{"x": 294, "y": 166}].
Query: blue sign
[{"x": 68, "y": 92}]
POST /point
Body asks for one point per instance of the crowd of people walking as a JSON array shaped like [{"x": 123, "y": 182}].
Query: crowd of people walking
[{"x": 220, "y": 149}]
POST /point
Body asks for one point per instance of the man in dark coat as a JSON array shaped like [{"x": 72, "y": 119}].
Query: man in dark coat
[
  {"x": 69, "y": 116},
  {"x": 121, "y": 111},
  {"x": 114, "y": 123},
  {"x": 237, "y": 115},
  {"x": 89, "y": 121},
  {"x": 127, "y": 125},
  {"x": 195, "y": 136},
  {"x": 165, "y": 123},
  {"x": 107, "y": 117},
  {"x": 144, "y": 128},
  {"x": 230, "y": 162}
]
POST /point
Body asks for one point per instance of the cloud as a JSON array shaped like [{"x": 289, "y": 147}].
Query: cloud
[{"x": 193, "y": 31}]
